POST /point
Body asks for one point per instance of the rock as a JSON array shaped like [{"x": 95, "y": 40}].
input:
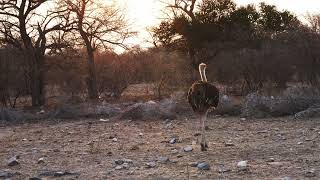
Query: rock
[
  {"x": 188, "y": 148},
  {"x": 118, "y": 162},
  {"x": 310, "y": 173},
  {"x": 40, "y": 160},
  {"x": 118, "y": 167},
  {"x": 223, "y": 170},
  {"x": 203, "y": 166},
  {"x": 35, "y": 178},
  {"x": 173, "y": 141},
  {"x": 286, "y": 178},
  {"x": 13, "y": 161},
  {"x": 114, "y": 140},
  {"x": 104, "y": 120},
  {"x": 129, "y": 161},
  {"x": 151, "y": 164},
  {"x": 229, "y": 143},
  {"x": 125, "y": 165},
  {"x": 5, "y": 174},
  {"x": 270, "y": 160},
  {"x": 242, "y": 165},
  {"x": 140, "y": 134},
  {"x": 163, "y": 159},
  {"x": 174, "y": 151}
]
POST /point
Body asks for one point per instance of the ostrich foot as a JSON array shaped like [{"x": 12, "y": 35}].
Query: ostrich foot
[{"x": 204, "y": 146}]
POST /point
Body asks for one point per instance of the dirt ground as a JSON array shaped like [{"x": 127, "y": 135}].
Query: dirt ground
[{"x": 274, "y": 149}]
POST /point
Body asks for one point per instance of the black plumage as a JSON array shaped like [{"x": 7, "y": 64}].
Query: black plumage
[{"x": 203, "y": 97}]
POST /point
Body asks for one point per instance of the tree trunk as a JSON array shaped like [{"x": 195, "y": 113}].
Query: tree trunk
[
  {"x": 37, "y": 80},
  {"x": 92, "y": 78}
]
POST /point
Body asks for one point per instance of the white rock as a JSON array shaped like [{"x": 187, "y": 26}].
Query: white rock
[
  {"x": 242, "y": 164},
  {"x": 118, "y": 167},
  {"x": 40, "y": 160},
  {"x": 114, "y": 139},
  {"x": 188, "y": 148},
  {"x": 104, "y": 120}
]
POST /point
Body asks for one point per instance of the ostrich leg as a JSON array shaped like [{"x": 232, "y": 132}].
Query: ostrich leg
[{"x": 203, "y": 143}]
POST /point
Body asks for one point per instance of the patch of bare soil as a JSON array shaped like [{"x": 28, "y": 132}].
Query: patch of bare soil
[{"x": 91, "y": 149}]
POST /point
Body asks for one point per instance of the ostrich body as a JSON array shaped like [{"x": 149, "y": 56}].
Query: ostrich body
[{"x": 203, "y": 97}]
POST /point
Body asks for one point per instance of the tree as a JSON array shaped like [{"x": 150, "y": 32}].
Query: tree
[
  {"x": 22, "y": 26},
  {"x": 96, "y": 26},
  {"x": 273, "y": 20}
]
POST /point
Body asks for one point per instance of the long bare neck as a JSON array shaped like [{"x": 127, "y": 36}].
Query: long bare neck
[{"x": 203, "y": 74}]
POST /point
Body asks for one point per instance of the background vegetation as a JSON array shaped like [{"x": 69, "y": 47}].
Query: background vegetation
[{"x": 247, "y": 49}]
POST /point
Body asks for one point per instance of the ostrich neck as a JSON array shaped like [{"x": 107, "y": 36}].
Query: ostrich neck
[{"x": 203, "y": 75}]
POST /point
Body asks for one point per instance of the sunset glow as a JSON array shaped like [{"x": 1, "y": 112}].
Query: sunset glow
[{"x": 147, "y": 13}]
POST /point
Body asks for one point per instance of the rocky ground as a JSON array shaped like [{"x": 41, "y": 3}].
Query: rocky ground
[{"x": 274, "y": 148}]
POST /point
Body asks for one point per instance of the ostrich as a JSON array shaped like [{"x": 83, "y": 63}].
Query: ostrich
[{"x": 203, "y": 97}]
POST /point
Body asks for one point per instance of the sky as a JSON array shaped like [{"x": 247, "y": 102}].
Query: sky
[{"x": 146, "y": 13}]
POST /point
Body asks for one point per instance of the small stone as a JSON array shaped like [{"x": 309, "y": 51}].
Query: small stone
[
  {"x": 286, "y": 178},
  {"x": 174, "y": 160},
  {"x": 242, "y": 119},
  {"x": 118, "y": 167},
  {"x": 242, "y": 165},
  {"x": 151, "y": 164},
  {"x": 118, "y": 162},
  {"x": 140, "y": 134},
  {"x": 229, "y": 143},
  {"x": 270, "y": 160},
  {"x": 104, "y": 120},
  {"x": 173, "y": 141},
  {"x": 223, "y": 170},
  {"x": 114, "y": 139},
  {"x": 163, "y": 159},
  {"x": 203, "y": 166},
  {"x": 129, "y": 161},
  {"x": 24, "y": 139},
  {"x": 299, "y": 143},
  {"x": 130, "y": 173},
  {"x": 174, "y": 151},
  {"x": 34, "y": 151},
  {"x": 179, "y": 156},
  {"x": 35, "y": 178},
  {"x": 13, "y": 161},
  {"x": 194, "y": 142},
  {"x": 5, "y": 174},
  {"x": 40, "y": 160},
  {"x": 188, "y": 148},
  {"x": 310, "y": 173},
  {"x": 125, "y": 165}
]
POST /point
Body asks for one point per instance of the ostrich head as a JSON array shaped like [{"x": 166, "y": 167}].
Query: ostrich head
[{"x": 202, "y": 71}]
